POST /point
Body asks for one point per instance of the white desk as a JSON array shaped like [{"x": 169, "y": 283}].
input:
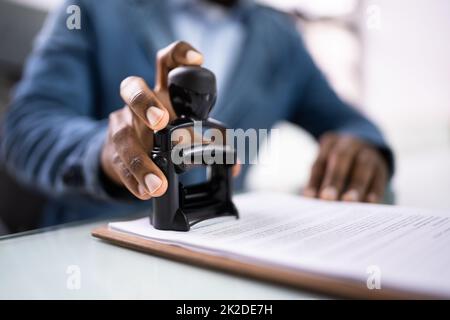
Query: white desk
[{"x": 33, "y": 266}]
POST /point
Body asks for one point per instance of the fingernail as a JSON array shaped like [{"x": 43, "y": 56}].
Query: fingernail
[
  {"x": 194, "y": 57},
  {"x": 154, "y": 115},
  {"x": 309, "y": 192},
  {"x": 351, "y": 195},
  {"x": 373, "y": 198},
  {"x": 329, "y": 193},
  {"x": 153, "y": 182},
  {"x": 142, "y": 191}
]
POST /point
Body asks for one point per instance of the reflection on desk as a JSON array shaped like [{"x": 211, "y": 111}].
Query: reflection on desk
[{"x": 42, "y": 266}]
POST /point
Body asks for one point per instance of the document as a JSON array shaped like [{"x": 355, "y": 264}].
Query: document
[{"x": 379, "y": 245}]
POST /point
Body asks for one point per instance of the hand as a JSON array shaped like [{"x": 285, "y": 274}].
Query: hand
[
  {"x": 347, "y": 169},
  {"x": 124, "y": 157}
]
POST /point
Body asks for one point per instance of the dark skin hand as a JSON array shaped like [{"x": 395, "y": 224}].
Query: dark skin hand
[
  {"x": 347, "y": 169},
  {"x": 124, "y": 157}
]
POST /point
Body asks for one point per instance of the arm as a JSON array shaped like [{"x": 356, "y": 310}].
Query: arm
[
  {"x": 50, "y": 137},
  {"x": 354, "y": 160},
  {"x": 320, "y": 110}
]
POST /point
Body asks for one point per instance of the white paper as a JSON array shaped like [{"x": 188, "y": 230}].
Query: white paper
[{"x": 407, "y": 248}]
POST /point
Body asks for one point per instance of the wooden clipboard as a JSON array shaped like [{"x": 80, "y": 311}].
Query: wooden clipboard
[{"x": 297, "y": 279}]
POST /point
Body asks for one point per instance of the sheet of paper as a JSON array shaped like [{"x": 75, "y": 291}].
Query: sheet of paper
[{"x": 403, "y": 247}]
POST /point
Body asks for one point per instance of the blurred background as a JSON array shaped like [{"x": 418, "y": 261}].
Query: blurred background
[{"x": 389, "y": 58}]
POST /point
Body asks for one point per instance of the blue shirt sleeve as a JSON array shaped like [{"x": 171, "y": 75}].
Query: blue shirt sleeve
[{"x": 51, "y": 139}]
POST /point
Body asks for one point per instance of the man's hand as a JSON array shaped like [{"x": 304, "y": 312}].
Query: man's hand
[
  {"x": 347, "y": 169},
  {"x": 124, "y": 157}
]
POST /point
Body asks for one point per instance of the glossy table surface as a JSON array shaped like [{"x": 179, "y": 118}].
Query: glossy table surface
[{"x": 68, "y": 263}]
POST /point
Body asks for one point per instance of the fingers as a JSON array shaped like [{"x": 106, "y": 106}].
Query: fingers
[
  {"x": 318, "y": 168},
  {"x": 151, "y": 181},
  {"x": 127, "y": 179},
  {"x": 337, "y": 170},
  {"x": 347, "y": 169},
  {"x": 130, "y": 161},
  {"x": 144, "y": 103},
  {"x": 376, "y": 190},
  {"x": 361, "y": 177},
  {"x": 177, "y": 54},
  {"x": 330, "y": 170}
]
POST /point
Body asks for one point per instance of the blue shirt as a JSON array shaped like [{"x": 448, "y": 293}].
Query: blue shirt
[
  {"x": 216, "y": 31},
  {"x": 53, "y": 133}
]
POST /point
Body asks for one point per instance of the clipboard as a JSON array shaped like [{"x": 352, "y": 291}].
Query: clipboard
[{"x": 295, "y": 279}]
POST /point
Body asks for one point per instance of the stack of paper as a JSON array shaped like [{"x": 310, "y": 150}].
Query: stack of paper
[{"x": 377, "y": 245}]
